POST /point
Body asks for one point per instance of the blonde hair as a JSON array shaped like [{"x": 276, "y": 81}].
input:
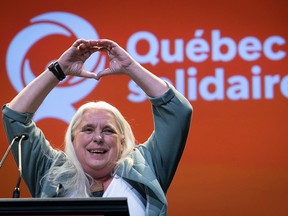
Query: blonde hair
[{"x": 72, "y": 167}]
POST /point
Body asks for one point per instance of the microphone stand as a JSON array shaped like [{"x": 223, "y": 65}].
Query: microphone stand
[
  {"x": 7, "y": 151},
  {"x": 16, "y": 192}
]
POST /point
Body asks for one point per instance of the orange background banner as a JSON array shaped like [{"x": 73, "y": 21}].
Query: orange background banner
[{"x": 229, "y": 58}]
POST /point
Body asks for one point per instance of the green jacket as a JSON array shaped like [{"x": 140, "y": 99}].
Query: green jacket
[{"x": 156, "y": 160}]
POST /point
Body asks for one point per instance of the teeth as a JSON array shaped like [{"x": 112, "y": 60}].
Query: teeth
[{"x": 97, "y": 151}]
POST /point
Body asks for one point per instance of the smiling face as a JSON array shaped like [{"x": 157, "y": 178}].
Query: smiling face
[{"x": 98, "y": 142}]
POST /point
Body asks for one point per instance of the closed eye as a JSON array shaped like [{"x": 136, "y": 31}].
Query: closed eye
[
  {"x": 108, "y": 130},
  {"x": 87, "y": 129}
]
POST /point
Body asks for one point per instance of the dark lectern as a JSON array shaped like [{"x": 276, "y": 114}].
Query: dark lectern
[{"x": 64, "y": 206}]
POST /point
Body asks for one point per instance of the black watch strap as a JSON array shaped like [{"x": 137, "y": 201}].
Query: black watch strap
[{"x": 55, "y": 68}]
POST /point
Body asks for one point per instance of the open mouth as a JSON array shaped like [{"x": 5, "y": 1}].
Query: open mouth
[{"x": 94, "y": 151}]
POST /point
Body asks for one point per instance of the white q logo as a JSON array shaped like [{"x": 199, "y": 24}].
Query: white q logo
[{"x": 59, "y": 102}]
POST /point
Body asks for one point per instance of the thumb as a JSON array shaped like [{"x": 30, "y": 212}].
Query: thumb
[
  {"x": 88, "y": 74},
  {"x": 103, "y": 73}
]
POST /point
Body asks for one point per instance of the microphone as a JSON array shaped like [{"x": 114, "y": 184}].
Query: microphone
[
  {"x": 22, "y": 137},
  {"x": 59, "y": 189},
  {"x": 16, "y": 192}
]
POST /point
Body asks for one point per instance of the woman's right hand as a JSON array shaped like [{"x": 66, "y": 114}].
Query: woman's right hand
[{"x": 72, "y": 60}]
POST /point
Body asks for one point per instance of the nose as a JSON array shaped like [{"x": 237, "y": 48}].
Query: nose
[{"x": 98, "y": 138}]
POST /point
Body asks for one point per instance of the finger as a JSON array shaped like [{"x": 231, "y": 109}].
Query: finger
[
  {"x": 103, "y": 73},
  {"x": 84, "y": 45},
  {"x": 88, "y": 74},
  {"x": 106, "y": 43},
  {"x": 101, "y": 49},
  {"x": 78, "y": 42}
]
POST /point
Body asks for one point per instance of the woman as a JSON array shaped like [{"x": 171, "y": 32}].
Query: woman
[{"x": 101, "y": 156}]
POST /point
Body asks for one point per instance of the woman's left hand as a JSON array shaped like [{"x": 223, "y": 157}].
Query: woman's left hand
[{"x": 120, "y": 60}]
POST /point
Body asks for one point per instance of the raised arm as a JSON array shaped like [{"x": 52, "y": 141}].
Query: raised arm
[
  {"x": 71, "y": 63},
  {"x": 171, "y": 111}
]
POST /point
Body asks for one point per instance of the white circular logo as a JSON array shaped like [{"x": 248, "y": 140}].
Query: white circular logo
[{"x": 59, "y": 103}]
